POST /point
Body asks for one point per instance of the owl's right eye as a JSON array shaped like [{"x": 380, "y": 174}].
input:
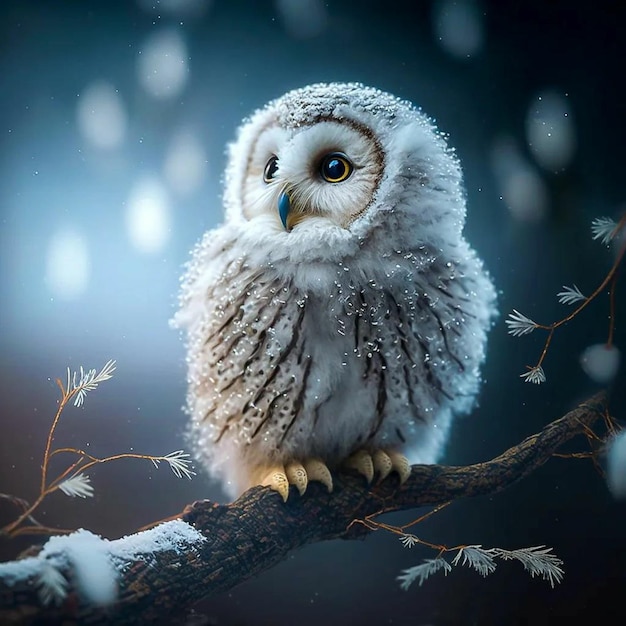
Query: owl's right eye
[{"x": 271, "y": 167}]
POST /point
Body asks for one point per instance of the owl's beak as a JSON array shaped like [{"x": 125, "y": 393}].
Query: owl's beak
[
  {"x": 284, "y": 204},
  {"x": 290, "y": 213}
]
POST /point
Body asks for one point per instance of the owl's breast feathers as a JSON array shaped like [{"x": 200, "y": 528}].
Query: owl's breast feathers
[{"x": 277, "y": 369}]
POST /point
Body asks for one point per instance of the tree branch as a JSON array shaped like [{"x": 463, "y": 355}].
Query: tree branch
[{"x": 258, "y": 530}]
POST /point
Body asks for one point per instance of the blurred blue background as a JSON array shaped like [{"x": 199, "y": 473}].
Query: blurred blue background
[{"x": 114, "y": 119}]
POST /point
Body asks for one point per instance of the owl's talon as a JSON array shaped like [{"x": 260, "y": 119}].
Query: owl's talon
[
  {"x": 382, "y": 464},
  {"x": 317, "y": 470},
  {"x": 362, "y": 462},
  {"x": 400, "y": 465},
  {"x": 277, "y": 480},
  {"x": 297, "y": 475}
]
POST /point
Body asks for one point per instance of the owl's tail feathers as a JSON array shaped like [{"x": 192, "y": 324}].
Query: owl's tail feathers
[{"x": 280, "y": 477}]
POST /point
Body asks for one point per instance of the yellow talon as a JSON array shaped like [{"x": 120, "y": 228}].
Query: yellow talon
[
  {"x": 297, "y": 475},
  {"x": 382, "y": 463},
  {"x": 276, "y": 480},
  {"x": 362, "y": 462},
  {"x": 401, "y": 465},
  {"x": 317, "y": 470}
]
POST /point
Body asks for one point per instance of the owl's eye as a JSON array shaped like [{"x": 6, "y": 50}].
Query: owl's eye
[
  {"x": 335, "y": 167},
  {"x": 271, "y": 167}
]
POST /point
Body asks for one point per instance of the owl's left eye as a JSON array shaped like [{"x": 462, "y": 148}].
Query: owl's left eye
[
  {"x": 335, "y": 167},
  {"x": 271, "y": 167}
]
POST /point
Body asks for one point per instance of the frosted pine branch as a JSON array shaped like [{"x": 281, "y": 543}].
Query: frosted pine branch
[
  {"x": 478, "y": 558},
  {"x": 178, "y": 461},
  {"x": 570, "y": 295},
  {"x": 534, "y": 375},
  {"x": 408, "y": 541},
  {"x": 78, "y": 485},
  {"x": 603, "y": 228},
  {"x": 423, "y": 571},
  {"x": 537, "y": 560},
  {"x": 87, "y": 381},
  {"x": 519, "y": 324},
  {"x": 51, "y": 585}
]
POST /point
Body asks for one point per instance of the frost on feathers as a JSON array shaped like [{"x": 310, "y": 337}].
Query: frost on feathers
[
  {"x": 95, "y": 563},
  {"x": 366, "y": 319}
]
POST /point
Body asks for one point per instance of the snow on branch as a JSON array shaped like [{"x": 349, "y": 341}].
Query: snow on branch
[
  {"x": 95, "y": 565},
  {"x": 159, "y": 573}
]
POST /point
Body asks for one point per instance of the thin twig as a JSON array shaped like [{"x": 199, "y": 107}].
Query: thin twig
[{"x": 610, "y": 278}]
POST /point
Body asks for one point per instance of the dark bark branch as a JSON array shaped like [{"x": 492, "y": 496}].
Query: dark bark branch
[{"x": 258, "y": 531}]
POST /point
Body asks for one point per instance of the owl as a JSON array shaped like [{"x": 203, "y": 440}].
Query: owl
[{"x": 338, "y": 317}]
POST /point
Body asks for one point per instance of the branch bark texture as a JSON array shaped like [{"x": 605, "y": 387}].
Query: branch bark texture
[{"x": 258, "y": 530}]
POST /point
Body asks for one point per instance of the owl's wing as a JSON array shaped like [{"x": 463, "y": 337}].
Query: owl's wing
[{"x": 248, "y": 362}]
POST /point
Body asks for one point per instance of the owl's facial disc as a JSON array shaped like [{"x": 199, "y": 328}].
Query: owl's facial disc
[
  {"x": 327, "y": 172},
  {"x": 334, "y": 168}
]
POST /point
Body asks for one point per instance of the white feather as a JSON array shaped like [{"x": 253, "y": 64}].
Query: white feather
[{"x": 366, "y": 324}]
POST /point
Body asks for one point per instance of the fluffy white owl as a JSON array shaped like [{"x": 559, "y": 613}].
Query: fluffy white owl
[{"x": 338, "y": 316}]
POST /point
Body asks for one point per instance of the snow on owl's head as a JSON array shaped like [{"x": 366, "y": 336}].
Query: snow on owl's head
[{"x": 336, "y": 162}]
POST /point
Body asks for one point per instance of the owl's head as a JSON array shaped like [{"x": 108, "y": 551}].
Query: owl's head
[{"x": 340, "y": 160}]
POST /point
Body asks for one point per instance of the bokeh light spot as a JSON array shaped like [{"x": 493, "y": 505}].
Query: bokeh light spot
[
  {"x": 148, "y": 215},
  {"x": 458, "y": 27},
  {"x": 600, "y": 362},
  {"x": 550, "y": 131},
  {"x": 523, "y": 190},
  {"x": 616, "y": 466},
  {"x": 185, "y": 166},
  {"x": 162, "y": 64},
  {"x": 101, "y": 116},
  {"x": 181, "y": 8},
  {"x": 67, "y": 264},
  {"x": 303, "y": 19}
]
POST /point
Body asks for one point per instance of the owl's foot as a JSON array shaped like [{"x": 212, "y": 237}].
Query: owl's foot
[
  {"x": 280, "y": 477},
  {"x": 381, "y": 462}
]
